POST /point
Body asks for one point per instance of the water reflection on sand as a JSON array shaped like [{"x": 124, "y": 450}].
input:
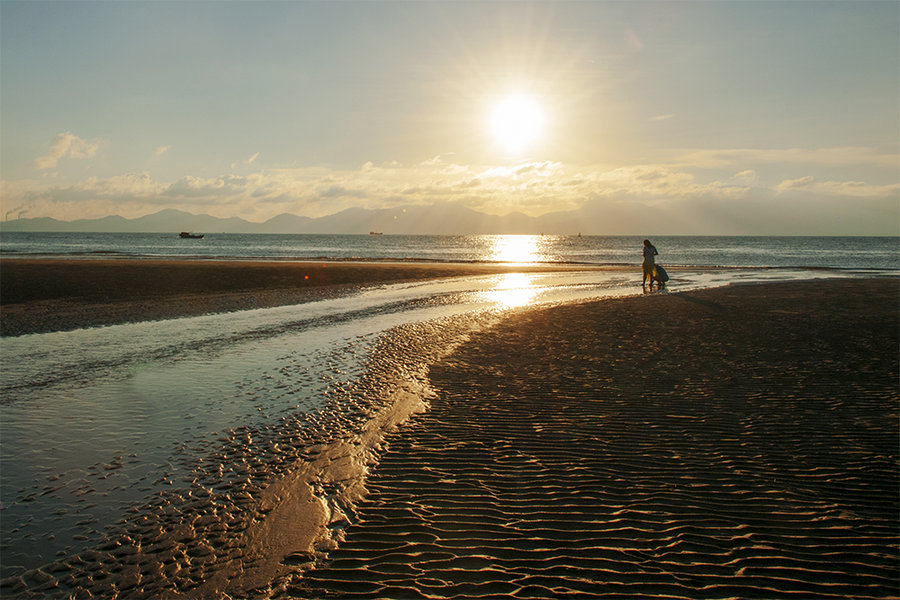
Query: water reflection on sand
[{"x": 96, "y": 422}]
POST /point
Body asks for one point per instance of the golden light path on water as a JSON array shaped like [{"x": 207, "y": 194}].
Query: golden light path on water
[
  {"x": 517, "y": 249},
  {"x": 512, "y": 290},
  {"x": 515, "y": 289}
]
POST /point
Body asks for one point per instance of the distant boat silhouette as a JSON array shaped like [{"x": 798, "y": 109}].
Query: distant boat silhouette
[
  {"x": 374, "y": 233},
  {"x": 191, "y": 236}
]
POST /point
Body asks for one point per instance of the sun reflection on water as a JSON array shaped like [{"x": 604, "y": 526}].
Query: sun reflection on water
[
  {"x": 512, "y": 290},
  {"x": 517, "y": 249}
]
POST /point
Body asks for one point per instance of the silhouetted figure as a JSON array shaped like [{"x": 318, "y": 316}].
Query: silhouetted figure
[
  {"x": 659, "y": 276},
  {"x": 649, "y": 264}
]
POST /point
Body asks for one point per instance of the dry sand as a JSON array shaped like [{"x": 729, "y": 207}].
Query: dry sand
[
  {"x": 41, "y": 295},
  {"x": 728, "y": 443}
]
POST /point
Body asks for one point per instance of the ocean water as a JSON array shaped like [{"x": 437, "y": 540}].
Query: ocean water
[
  {"x": 827, "y": 252},
  {"x": 98, "y": 423}
]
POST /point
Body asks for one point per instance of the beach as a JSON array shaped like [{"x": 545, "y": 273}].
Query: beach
[
  {"x": 38, "y": 295},
  {"x": 729, "y": 443},
  {"x": 732, "y": 442}
]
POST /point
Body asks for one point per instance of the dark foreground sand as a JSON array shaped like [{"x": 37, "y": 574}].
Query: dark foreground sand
[
  {"x": 729, "y": 443},
  {"x": 41, "y": 295}
]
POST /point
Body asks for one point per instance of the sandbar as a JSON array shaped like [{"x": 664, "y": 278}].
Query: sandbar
[{"x": 39, "y": 295}]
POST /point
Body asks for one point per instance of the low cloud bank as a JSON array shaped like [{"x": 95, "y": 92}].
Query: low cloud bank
[{"x": 665, "y": 197}]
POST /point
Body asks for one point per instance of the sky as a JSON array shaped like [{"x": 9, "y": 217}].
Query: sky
[{"x": 737, "y": 116}]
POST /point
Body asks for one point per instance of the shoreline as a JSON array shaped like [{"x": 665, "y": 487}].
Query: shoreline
[
  {"x": 47, "y": 295},
  {"x": 44, "y": 295}
]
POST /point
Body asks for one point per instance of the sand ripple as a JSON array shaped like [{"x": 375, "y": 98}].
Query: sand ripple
[
  {"x": 261, "y": 500},
  {"x": 736, "y": 443}
]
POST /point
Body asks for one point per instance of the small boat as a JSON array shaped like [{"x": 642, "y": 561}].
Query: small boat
[
  {"x": 186, "y": 235},
  {"x": 374, "y": 233}
]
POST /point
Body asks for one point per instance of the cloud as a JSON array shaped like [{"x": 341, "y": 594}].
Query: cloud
[
  {"x": 525, "y": 170},
  {"x": 337, "y": 191},
  {"x": 160, "y": 150},
  {"x": 649, "y": 181},
  {"x": 853, "y": 189},
  {"x": 860, "y": 189},
  {"x": 129, "y": 184},
  {"x": 792, "y": 184},
  {"x": 215, "y": 187},
  {"x": 665, "y": 117},
  {"x": 66, "y": 145},
  {"x": 248, "y": 161},
  {"x": 827, "y": 157},
  {"x": 533, "y": 188},
  {"x": 747, "y": 177}
]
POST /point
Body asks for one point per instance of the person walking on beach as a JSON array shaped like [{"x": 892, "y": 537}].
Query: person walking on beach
[{"x": 649, "y": 264}]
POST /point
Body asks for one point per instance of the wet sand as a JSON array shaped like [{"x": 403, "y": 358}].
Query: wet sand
[
  {"x": 730, "y": 443},
  {"x": 736, "y": 442},
  {"x": 43, "y": 294},
  {"x": 260, "y": 501}
]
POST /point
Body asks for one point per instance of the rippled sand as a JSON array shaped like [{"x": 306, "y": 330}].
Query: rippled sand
[
  {"x": 260, "y": 501},
  {"x": 729, "y": 443},
  {"x": 737, "y": 442}
]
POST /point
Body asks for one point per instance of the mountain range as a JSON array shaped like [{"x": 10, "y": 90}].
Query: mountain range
[
  {"x": 766, "y": 216},
  {"x": 436, "y": 219}
]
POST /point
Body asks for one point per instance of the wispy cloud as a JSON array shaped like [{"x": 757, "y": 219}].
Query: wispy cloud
[
  {"x": 746, "y": 177},
  {"x": 66, "y": 145},
  {"x": 160, "y": 150},
  {"x": 831, "y": 157},
  {"x": 799, "y": 183},
  {"x": 633, "y": 41},
  {"x": 853, "y": 189},
  {"x": 247, "y": 161}
]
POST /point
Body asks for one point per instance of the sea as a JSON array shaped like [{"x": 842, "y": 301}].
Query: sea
[
  {"x": 727, "y": 251},
  {"x": 98, "y": 424}
]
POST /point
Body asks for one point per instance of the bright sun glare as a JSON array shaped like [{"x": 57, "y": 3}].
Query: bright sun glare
[
  {"x": 512, "y": 290},
  {"x": 517, "y": 121},
  {"x": 515, "y": 248}
]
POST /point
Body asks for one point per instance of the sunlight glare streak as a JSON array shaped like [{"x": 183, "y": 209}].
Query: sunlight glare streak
[
  {"x": 519, "y": 249},
  {"x": 512, "y": 290}
]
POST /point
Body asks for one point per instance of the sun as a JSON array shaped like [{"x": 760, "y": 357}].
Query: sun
[{"x": 516, "y": 121}]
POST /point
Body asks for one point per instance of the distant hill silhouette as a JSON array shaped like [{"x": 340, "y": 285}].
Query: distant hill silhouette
[
  {"x": 440, "y": 219},
  {"x": 598, "y": 216}
]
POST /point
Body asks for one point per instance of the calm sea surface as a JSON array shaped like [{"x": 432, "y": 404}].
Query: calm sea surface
[
  {"x": 96, "y": 423},
  {"x": 835, "y": 252}
]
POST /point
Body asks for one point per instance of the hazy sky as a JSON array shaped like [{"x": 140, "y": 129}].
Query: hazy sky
[{"x": 734, "y": 115}]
